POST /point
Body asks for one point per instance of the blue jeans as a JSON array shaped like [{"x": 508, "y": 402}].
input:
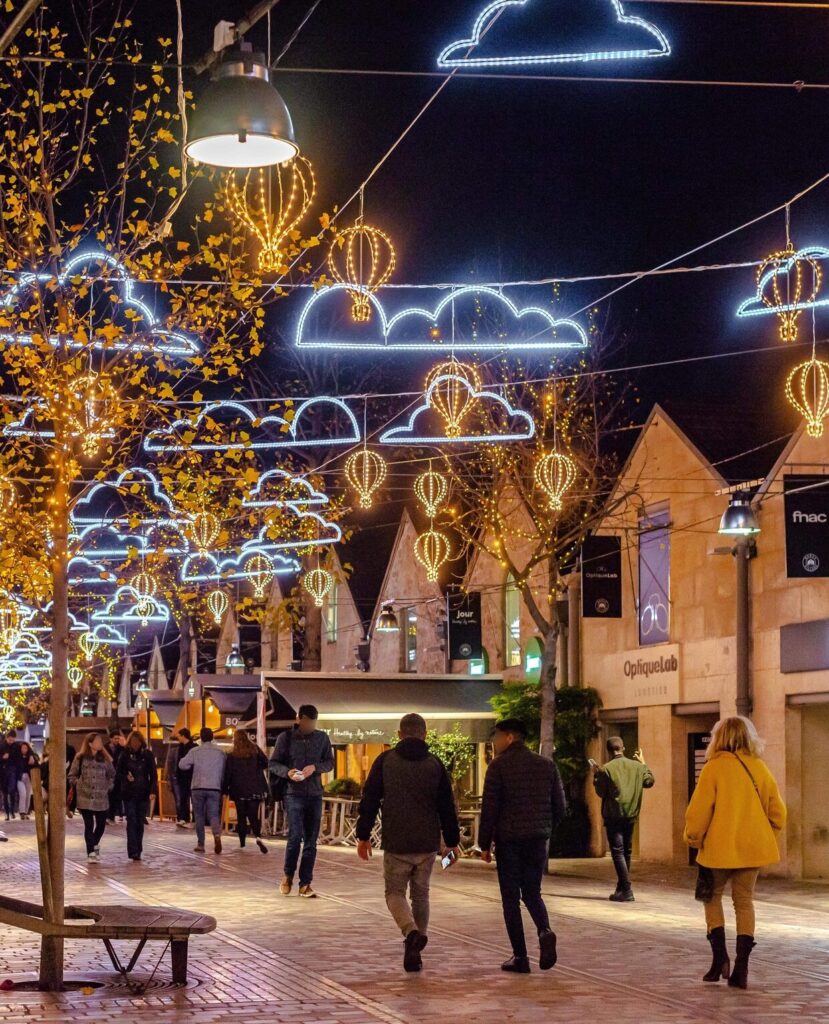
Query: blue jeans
[
  {"x": 620, "y": 840},
  {"x": 207, "y": 807},
  {"x": 304, "y": 819},
  {"x": 136, "y": 810},
  {"x": 520, "y": 865}
]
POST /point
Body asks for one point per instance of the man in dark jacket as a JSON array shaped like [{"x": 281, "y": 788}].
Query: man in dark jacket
[
  {"x": 115, "y": 747},
  {"x": 184, "y": 779},
  {"x": 620, "y": 784},
  {"x": 523, "y": 802},
  {"x": 413, "y": 789},
  {"x": 11, "y": 767},
  {"x": 302, "y": 756}
]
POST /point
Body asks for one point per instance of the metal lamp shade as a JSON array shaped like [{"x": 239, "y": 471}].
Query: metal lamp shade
[
  {"x": 739, "y": 519},
  {"x": 387, "y": 620},
  {"x": 241, "y": 120}
]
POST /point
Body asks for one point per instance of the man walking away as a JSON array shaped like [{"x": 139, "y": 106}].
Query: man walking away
[
  {"x": 620, "y": 784},
  {"x": 302, "y": 755},
  {"x": 412, "y": 788},
  {"x": 183, "y": 778},
  {"x": 523, "y": 802},
  {"x": 206, "y": 763},
  {"x": 115, "y": 748}
]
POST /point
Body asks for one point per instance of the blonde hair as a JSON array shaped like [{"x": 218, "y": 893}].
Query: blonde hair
[{"x": 737, "y": 734}]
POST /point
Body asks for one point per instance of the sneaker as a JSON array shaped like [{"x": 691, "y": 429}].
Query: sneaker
[
  {"x": 413, "y": 945},
  {"x": 307, "y": 892},
  {"x": 622, "y": 897},
  {"x": 261, "y": 845},
  {"x": 286, "y": 885},
  {"x": 217, "y": 844},
  {"x": 92, "y": 855},
  {"x": 517, "y": 965},
  {"x": 548, "y": 955},
  {"x": 198, "y": 849},
  {"x": 3, "y": 837}
]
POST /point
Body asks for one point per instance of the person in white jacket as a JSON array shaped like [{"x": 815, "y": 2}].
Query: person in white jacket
[{"x": 207, "y": 763}]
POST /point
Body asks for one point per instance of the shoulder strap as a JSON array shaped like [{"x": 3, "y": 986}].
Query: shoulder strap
[{"x": 747, "y": 770}]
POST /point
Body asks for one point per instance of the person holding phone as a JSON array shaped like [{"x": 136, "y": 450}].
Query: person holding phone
[
  {"x": 411, "y": 787},
  {"x": 620, "y": 784}
]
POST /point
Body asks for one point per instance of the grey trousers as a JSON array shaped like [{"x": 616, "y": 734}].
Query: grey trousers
[{"x": 408, "y": 871}]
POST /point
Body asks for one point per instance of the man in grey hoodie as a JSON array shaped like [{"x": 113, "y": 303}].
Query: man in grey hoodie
[{"x": 207, "y": 763}]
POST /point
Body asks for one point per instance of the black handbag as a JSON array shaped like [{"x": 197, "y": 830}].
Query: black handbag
[{"x": 704, "y": 891}]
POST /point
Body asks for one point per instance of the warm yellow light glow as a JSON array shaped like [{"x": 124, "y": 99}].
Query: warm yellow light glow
[
  {"x": 362, "y": 258},
  {"x": 454, "y": 385},
  {"x": 8, "y": 496},
  {"x": 145, "y": 586},
  {"x": 90, "y": 413},
  {"x": 555, "y": 474},
  {"x": 807, "y": 388},
  {"x": 318, "y": 583},
  {"x": 365, "y": 470},
  {"x": 270, "y": 202},
  {"x": 431, "y": 549},
  {"x": 205, "y": 529},
  {"x": 75, "y": 676},
  {"x": 786, "y": 286},
  {"x": 431, "y": 489},
  {"x": 10, "y": 621},
  {"x": 88, "y": 644},
  {"x": 260, "y": 570},
  {"x": 217, "y": 603}
]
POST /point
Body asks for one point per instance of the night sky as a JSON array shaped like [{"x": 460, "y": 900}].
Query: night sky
[{"x": 510, "y": 179}]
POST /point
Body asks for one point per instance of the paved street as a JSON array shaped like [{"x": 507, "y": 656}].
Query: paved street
[{"x": 336, "y": 960}]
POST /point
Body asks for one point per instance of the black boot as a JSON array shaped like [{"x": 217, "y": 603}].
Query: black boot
[
  {"x": 720, "y": 964},
  {"x": 517, "y": 965},
  {"x": 739, "y": 976}
]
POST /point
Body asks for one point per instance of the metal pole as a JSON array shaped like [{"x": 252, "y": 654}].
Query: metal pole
[
  {"x": 574, "y": 629},
  {"x": 244, "y": 24},
  {"x": 743, "y": 554}
]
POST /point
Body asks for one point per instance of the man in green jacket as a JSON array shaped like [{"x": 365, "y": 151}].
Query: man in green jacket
[{"x": 620, "y": 783}]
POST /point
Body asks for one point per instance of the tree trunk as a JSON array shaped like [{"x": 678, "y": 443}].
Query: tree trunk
[
  {"x": 548, "y": 691},
  {"x": 185, "y": 641},
  {"x": 51, "y": 949}
]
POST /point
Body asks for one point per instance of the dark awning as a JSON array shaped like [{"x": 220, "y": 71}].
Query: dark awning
[
  {"x": 167, "y": 705},
  {"x": 355, "y": 708}
]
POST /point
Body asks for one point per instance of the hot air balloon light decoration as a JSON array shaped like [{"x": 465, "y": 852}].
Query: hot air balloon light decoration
[
  {"x": 318, "y": 583},
  {"x": 807, "y": 388},
  {"x": 91, "y": 413},
  {"x": 75, "y": 676},
  {"x": 431, "y": 489},
  {"x": 361, "y": 258},
  {"x": 8, "y": 496},
  {"x": 88, "y": 644},
  {"x": 145, "y": 587},
  {"x": 260, "y": 571},
  {"x": 205, "y": 528},
  {"x": 555, "y": 474},
  {"x": 452, "y": 388},
  {"x": 365, "y": 470},
  {"x": 432, "y": 549},
  {"x": 270, "y": 203},
  {"x": 217, "y": 603},
  {"x": 11, "y": 621},
  {"x": 782, "y": 286}
]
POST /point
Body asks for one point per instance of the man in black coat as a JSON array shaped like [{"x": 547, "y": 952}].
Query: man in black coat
[
  {"x": 412, "y": 788},
  {"x": 523, "y": 801}
]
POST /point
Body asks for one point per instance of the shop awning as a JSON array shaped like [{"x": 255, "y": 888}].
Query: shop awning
[
  {"x": 167, "y": 705},
  {"x": 355, "y": 708}
]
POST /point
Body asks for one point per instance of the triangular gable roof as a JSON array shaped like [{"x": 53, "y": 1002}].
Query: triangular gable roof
[
  {"x": 405, "y": 520},
  {"x": 781, "y": 460}
]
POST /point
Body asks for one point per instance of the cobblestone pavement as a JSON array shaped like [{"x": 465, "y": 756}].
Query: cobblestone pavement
[{"x": 337, "y": 959}]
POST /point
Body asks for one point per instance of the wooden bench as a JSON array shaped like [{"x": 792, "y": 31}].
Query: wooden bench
[{"x": 113, "y": 923}]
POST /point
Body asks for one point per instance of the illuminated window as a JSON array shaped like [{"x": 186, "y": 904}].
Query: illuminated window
[
  {"x": 512, "y": 623},
  {"x": 654, "y": 578},
  {"x": 331, "y": 613},
  {"x": 409, "y": 640}
]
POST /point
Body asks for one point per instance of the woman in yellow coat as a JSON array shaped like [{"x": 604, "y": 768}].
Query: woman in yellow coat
[{"x": 733, "y": 820}]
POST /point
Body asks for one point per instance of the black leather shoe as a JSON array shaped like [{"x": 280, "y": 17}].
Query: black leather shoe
[
  {"x": 622, "y": 897},
  {"x": 548, "y": 957},
  {"x": 517, "y": 965},
  {"x": 413, "y": 945}
]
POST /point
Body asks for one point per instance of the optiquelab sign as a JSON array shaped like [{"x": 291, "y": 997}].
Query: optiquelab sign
[
  {"x": 806, "y": 508},
  {"x": 651, "y": 676},
  {"x": 601, "y": 578}
]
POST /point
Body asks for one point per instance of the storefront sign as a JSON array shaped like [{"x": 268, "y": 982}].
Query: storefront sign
[
  {"x": 601, "y": 578},
  {"x": 464, "y": 617},
  {"x": 650, "y": 675},
  {"x": 806, "y": 506}
]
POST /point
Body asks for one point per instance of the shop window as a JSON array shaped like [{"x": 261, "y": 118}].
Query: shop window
[
  {"x": 512, "y": 623},
  {"x": 331, "y": 616},
  {"x": 409, "y": 639},
  {"x": 654, "y": 578}
]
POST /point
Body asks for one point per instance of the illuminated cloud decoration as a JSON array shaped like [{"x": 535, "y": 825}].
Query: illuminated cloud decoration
[
  {"x": 425, "y": 425},
  {"x": 202, "y": 567},
  {"x": 278, "y": 488},
  {"x": 26, "y": 664},
  {"x": 552, "y": 32},
  {"x": 472, "y": 318},
  {"x": 144, "y": 334},
  {"x": 768, "y": 301},
  {"x": 105, "y": 633},
  {"x": 244, "y": 429},
  {"x": 28, "y": 425},
  {"x": 128, "y": 608},
  {"x": 301, "y": 530}
]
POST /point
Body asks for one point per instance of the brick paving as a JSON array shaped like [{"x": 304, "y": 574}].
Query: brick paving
[{"x": 337, "y": 959}]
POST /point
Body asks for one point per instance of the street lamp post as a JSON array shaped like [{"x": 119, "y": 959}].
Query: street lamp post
[{"x": 740, "y": 521}]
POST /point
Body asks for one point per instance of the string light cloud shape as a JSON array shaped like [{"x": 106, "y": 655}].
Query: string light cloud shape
[
  {"x": 128, "y": 608},
  {"x": 277, "y": 488},
  {"x": 202, "y": 567},
  {"x": 471, "y": 318},
  {"x": 145, "y": 333},
  {"x": 244, "y": 429},
  {"x": 517, "y": 425},
  {"x": 763, "y": 302},
  {"x": 507, "y": 33},
  {"x": 307, "y": 530}
]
